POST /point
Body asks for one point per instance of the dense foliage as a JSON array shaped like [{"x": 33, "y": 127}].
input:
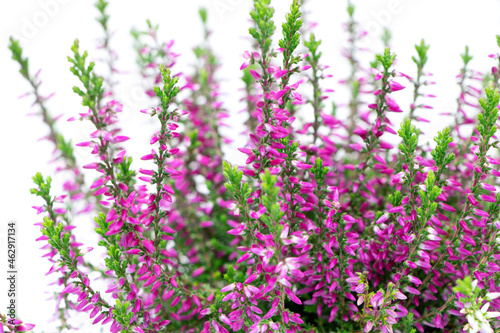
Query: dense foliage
[{"x": 326, "y": 228}]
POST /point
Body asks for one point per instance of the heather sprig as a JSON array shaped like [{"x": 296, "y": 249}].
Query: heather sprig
[
  {"x": 54, "y": 136},
  {"x": 116, "y": 167},
  {"x": 268, "y": 252},
  {"x": 408, "y": 148},
  {"x": 105, "y": 43},
  {"x": 487, "y": 128},
  {"x": 202, "y": 157},
  {"x": 271, "y": 218},
  {"x": 262, "y": 15},
  {"x": 43, "y": 191},
  {"x": 101, "y": 6},
  {"x": 418, "y": 82},
  {"x": 92, "y": 83},
  {"x": 116, "y": 170},
  {"x": 353, "y": 81},
  {"x": 63, "y": 148},
  {"x": 151, "y": 53},
  {"x": 62, "y": 241},
  {"x": 466, "y": 89},
  {"x": 439, "y": 153},
  {"x": 371, "y": 136},
  {"x": 291, "y": 38},
  {"x": 17, "y": 55},
  {"x": 166, "y": 95},
  {"x": 288, "y": 44},
  {"x": 315, "y": 78},
  {"x": 495, "y": 69},
  {"x": 207, "y": 117},
  {"x": 384, "y": 103}
]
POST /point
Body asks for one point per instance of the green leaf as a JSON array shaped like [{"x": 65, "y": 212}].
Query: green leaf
[
  {"x": 350, "y": 9},
  {"x": 203, "y": 14},
  {"x": 386, "y": 59},
  {"x": 466, "y": 57}
]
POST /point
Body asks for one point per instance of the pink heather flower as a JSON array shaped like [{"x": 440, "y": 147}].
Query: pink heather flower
[
  {"x": 414, "y": 280},
  {"x": 385, "y": 145},
  {"x": 360, "y": 131},
  {"x": 400, "y": 295},
  {"x": 198, "y": 271},
  {"x": 492, "y": 160},
  {"x": 93, "y": 165},
  {"x": 148, "y": 245},
  {"x": 85, "y": 144},
  {"x": 205, "y": 311},
  {"x": 360, "y": 288},
  {"x": 389, "y": 129},
  {"x": 206, "y": 224},
  {"x": 480, "y": 212},
  {"x": 300, "y": 165},
  {"x": 395, "y": 86},
  {"x": 148, "y": 157},
  {"x": 243, "y": 258},
  {"x": 412, "y": 290},
  {"x": 397, "y": 209},
  {"x": 349, "y": 219},
  {"x": 447, "y": 207},
  {"x": 495, "y": 173},
  {"x": 255, "y": 75},
  {"x": 292, "y": 296},
  {"x": 377, "y": 299},
  {"x": 244, "y": 65},
  {"x": 172, "y": 171},
  {"x": 280, "y": 73},
  {"x": 353, "y": 279},
  {"x": 355, "y": 146},
  {"x": 472, "y": 200},
  {"x": 411, "y": 264},
  {"x": 377, "y": 73},
  {"x": 487, "y": 198},
  {"x": 24, "y": 327},
  {"x": 393, "y": 106},
  {"x": 488, "y": 187},
  {"x": 120, "y": 138}
]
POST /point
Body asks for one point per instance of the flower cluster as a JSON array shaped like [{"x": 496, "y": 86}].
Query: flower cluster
[{"x": 326, "y": 227}]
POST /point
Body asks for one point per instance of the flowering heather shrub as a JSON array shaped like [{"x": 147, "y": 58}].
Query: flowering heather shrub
[{"x": 326, "y": 228}]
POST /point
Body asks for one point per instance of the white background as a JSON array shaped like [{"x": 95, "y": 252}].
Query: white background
[{"x": 48, "y": 31}]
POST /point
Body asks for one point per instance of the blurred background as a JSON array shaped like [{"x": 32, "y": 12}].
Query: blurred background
[{"x": 47, "y": 29}]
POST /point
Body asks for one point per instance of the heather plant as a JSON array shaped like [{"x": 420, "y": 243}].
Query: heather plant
[{"x": 327, "y": 227}]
